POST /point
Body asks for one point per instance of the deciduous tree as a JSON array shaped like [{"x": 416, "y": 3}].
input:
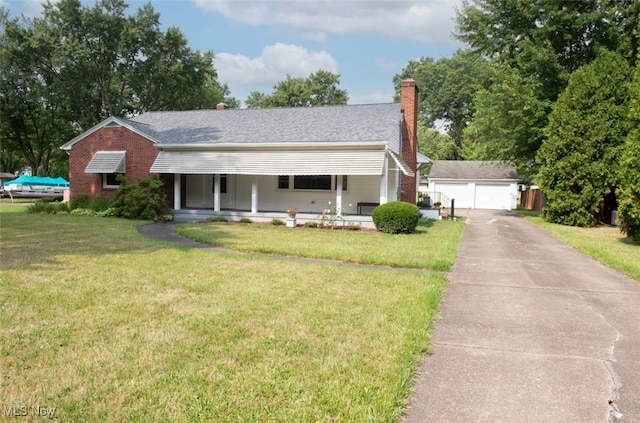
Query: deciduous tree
[
  {"x": 73, "y": 66},
  {"x": 319, "y": 89},
  {"x": 446, "y": 90}
]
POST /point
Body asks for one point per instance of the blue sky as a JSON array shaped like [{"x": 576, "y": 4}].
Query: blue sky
[{"x": 257, "y": 43}]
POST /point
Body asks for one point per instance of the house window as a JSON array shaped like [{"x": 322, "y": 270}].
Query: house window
[
  {"x": 110, "y": 180},
  {"x": 315, "y": 182},
  {"x": 223, "y": 184},
  {"x": 283, "y": 182},
  {"x": 344, "y": 183}
]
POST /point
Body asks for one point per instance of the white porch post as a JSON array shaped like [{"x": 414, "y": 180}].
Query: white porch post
[
  {"x": 384, "y": 182},
  {"x": 254, "y": 196},
  {"x": 339, "y": 195},
  {"x": 216, "y": 192},
  {"x": 176, "y": 191}
]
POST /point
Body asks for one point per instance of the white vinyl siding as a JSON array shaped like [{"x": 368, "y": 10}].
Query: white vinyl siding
[{"x": 270, "y": 198}]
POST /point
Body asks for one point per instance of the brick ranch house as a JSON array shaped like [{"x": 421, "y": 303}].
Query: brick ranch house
[{"x": 258, "y": 160}]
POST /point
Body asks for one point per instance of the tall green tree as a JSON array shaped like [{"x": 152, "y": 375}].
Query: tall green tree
[
  {"x": 436, "y": 145},
  {"x": 629, "y": 190},
  {"x": 73, "y": 66},
  {"x": 319, "y": 89},
  {"x": 34, "y": 114},
  {"x": 509, "y": 121},
  {"x": 446, "y": 90},
  {"x": 547, "y": 40},
  {"x": 578, "y": 160}
]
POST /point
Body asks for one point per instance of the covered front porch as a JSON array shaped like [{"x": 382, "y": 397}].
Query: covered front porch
[{"x": 264, "y": 186}]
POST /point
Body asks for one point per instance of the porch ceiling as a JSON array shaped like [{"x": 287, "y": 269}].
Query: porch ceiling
[{"x": 338, "y": 162}]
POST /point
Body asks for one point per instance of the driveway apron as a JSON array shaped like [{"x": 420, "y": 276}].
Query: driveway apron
[{"x": 531, "y": 330}]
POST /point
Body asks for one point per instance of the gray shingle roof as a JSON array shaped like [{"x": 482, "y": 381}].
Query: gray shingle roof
[
  {"x": 470, "y": 170},
  {"x": 356, "y": 123}
]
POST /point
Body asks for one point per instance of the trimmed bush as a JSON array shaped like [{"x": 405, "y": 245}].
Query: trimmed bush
[
  {"x": 277, "y": 222},
  {"x": 396, "y": 217},
  {"x": 246, "y": 220},
  {"x": 311, "y": 224}
]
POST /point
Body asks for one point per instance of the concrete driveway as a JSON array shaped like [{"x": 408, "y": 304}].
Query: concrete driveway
[{"x": 531, "y": 331}]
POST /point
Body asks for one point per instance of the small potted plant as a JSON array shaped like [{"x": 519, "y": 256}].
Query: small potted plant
[{"x": 291, "y": 220}]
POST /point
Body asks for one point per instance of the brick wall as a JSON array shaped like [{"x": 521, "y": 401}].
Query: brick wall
[
  {"x": 141, "y": 154},
  {"x": 409, "y": 104}
]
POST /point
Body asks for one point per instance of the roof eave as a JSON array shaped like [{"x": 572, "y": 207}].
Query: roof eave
[{"x": 273, "y": 145}]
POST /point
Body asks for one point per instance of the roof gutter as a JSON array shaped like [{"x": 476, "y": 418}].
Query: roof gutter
[{"x": 275, "y": 145}]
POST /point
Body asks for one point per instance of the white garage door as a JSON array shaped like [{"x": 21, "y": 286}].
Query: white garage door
[
  {"x": 461, "y": 193},
  {"x": 493, "y": 197}
]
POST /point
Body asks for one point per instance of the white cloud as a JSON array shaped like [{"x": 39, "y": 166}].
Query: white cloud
[
  {"x": 384, "y": 64},
  {"x": 372, "y": 95},
  {"x": 427, "y": 21},
  {"x": 244, "y": 74}
]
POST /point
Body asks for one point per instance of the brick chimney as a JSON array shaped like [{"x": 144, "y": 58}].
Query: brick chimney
[
  {"x": 409, "y": 106},
  {"x": 221, "y": 106}
]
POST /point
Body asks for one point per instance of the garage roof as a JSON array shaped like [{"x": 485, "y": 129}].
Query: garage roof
[{"x": 473, "y": 170}]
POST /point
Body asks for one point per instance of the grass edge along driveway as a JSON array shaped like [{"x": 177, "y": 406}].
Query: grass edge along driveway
[
  {"x": 103, "y": 324},
  {"x": 602, "y": 243}
]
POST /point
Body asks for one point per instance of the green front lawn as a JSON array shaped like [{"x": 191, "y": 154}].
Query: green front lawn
[
  {"x": 433, "y": 246},
  {"x": 604, "y": 243},
  {"x": 103, "y": 324}
]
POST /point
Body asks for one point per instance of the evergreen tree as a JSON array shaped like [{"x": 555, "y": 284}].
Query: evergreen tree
[
  {"x": 587, "y": 128},
  {"x": 629, "y": 191}
]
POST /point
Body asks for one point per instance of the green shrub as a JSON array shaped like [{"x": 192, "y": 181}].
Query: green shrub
[
  {"x": 277, "y": 222},
  {"x": 146, "y": 200},
  {"x": 354, "y": 226},
  {"x": 82, "y": 212},
  {"x": 218, "y": 219},
  {"x": 99, "y": 203},
  {"x": 311, "y": 224},
  {"x": 44, "y": 206},
  {"x": 396, "y": 217},
  {"x": 246, "y": 220},
  {"x": 81, "y": 201},
  {"x": 109, "y": 212}
]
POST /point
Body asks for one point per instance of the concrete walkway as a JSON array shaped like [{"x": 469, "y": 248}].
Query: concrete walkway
[{"x": 531, "y": 331}]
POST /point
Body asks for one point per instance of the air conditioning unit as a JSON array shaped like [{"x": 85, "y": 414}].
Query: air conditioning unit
[{"x": 614, "y": 218}]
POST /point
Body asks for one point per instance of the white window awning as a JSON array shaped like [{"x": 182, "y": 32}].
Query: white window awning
[
  {"x": 404, "y": 167},
  {"x": 303, "y": 162},
  {"x": 107, "y": 162}
]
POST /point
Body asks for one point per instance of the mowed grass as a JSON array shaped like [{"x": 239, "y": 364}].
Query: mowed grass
[
  {"x": 604, "y": 243},
  {"x": 434, "y": 245},
  {"x": 103, "y": 324}
]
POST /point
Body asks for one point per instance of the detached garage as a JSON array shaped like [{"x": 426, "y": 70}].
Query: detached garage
[{"x": 474, "y": 184}]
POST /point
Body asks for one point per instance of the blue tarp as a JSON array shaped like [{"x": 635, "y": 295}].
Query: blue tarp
[{"x": 39, "y": 180}]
